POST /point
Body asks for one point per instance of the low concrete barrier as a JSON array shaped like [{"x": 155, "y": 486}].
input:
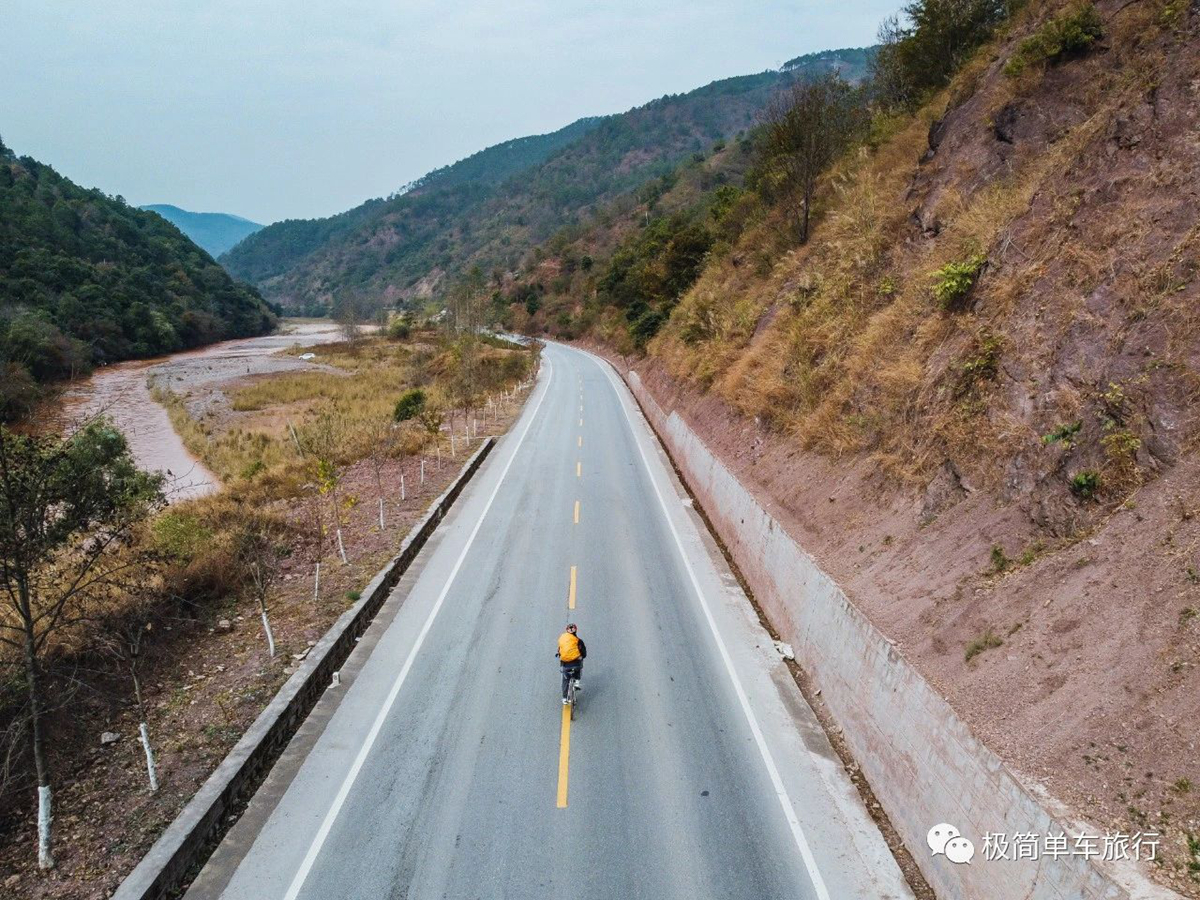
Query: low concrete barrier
[
  {"x": 187, "y": 842},
  {"x": 920, "y": 758}
]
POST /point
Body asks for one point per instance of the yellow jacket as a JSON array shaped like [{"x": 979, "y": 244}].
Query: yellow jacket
[{"x": 568, "y": 647}]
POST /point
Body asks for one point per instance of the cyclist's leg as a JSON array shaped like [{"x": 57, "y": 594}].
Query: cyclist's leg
[{"x": 566, "y": 676}]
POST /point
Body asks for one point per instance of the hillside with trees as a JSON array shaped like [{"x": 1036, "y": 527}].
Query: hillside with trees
[
  {"x": 215, "y": 232},
  {"x": 86, "y": 279},
  {"x": 490, "y": 209},
  {"x": 945, "y": 327}
]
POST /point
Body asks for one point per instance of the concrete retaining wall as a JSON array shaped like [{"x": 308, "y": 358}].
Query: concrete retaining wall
[
  {"x": 921, "y": 760},
  {"x": 187, "y": 842}
]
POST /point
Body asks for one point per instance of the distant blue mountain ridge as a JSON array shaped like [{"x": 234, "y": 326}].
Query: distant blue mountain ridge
[{"x": 215, "y": 232}]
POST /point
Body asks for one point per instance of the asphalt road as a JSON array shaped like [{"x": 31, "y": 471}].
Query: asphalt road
[{"x": 443, "y": 766}]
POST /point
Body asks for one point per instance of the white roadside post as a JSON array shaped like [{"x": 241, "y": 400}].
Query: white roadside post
[
  {"x": 151, "y": 771},
  {"x": 45, "y": 817}
]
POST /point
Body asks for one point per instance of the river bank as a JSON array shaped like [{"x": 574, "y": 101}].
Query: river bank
[{"x": 124, "y": 392}]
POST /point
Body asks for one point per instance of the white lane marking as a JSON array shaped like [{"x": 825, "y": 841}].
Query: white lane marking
[
  {"x": 338, "y": 801},
  {"x": 810, "y": 862}
]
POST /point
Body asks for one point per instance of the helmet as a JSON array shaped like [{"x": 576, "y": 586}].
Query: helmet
[{"x": 571, "y": 627}]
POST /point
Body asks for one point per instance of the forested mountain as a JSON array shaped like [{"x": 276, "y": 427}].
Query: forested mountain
[
  {"x": 493, "y": 207},
  {"x": 87, "y": 279},
  {"x": 215, "y": 232},
  {"x": 445, "y": 192}
]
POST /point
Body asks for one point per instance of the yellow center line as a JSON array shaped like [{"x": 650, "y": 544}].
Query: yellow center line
[
  {"x": 581, "y": 440},
  {"x": 578, "y": 470},
  {"x": 564, "y": 757},
  {"x": 581, "y": 423},
  {"x": 571, "y": 595},
  {"x": 576, "y": 512}
]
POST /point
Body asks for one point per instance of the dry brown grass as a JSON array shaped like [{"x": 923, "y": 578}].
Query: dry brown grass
[
  {"x": 842, "y": 344},
  {"x": 254, "y": 441}
]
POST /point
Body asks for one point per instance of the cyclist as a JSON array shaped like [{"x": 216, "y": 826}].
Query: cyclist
[{"x": 571, "y": 653}]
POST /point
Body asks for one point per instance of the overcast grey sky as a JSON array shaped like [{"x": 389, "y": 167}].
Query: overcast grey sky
[{"x": 275, "y": 109}]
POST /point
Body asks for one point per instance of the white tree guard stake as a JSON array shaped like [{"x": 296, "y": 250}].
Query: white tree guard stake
[
  {"x": 422, "y": 471},
  {"x": 453, "y": 452},
  {"x": 151, "y": 771},
  {"x": 342, "y": 548},
  {"x": 403, "y": 496},
  {"x": 381, "y": 525},
  {"x": 45, "y": 817},
  {"x": 317, "y": 583},
  {"x": 270, "y": 636}
]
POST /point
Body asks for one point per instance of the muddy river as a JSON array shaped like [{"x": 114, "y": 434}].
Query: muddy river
[{"x": 123, "y": 392}]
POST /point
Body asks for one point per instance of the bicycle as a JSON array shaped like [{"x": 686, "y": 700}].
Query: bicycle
[{"x": 570, "y": 675}]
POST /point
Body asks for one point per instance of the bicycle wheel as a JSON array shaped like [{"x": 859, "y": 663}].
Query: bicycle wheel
[{"x": 571, "y": 697}]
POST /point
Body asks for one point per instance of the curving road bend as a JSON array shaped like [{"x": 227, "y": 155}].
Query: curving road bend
[{"x": 443, "y": 766}]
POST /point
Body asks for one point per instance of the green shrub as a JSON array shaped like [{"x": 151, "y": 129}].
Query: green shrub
[
  {"x": 1064, "y": 434},
  {"x": 1085, "y": 484},
  {"x": 180, "y": 535},
  {"x": 985, "y": 363},
  {"x": 398, "y": 329},
  {"x": 953, "y": 281},
  {"x": 987, "y": 641},
  {"x": 1069, "y": 35},
  {"x": 410, "y": 405},
  {"x": 1000, "y": 560}
]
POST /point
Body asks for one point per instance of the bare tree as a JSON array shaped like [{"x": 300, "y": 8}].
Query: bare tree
[
  {"x": 383, "y": 438},
  {"x": 124, "y": 641},
  {"x": 262, "y": 551},
  {"x": 323, "y": 445},
  {"x": 807, "y": 128},
  {"x": 467, "y": 302},
  {"x": 68, "y": 508}
]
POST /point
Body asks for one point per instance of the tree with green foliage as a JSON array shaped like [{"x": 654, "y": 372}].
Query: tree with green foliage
[
  {"x": 919, "y": 53},
  {"x": 68, "y": 508},
  {"x": 806, "y": 129},
  {"x": 86, "y": 280}
]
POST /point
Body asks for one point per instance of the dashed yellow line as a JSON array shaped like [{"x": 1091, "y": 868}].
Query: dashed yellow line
[
  {"x": 581, "y": 440},
  {"x": 571, "y": 593},
  {"x": 581, "y": 423},
  {"x": 576, "y": 512},
  {"x": 578, "y": 470},
  {"x": 564, "y": 757}
]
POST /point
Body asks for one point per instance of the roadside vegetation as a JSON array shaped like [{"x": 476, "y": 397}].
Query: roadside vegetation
[{"x": 138, "y": 640}]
